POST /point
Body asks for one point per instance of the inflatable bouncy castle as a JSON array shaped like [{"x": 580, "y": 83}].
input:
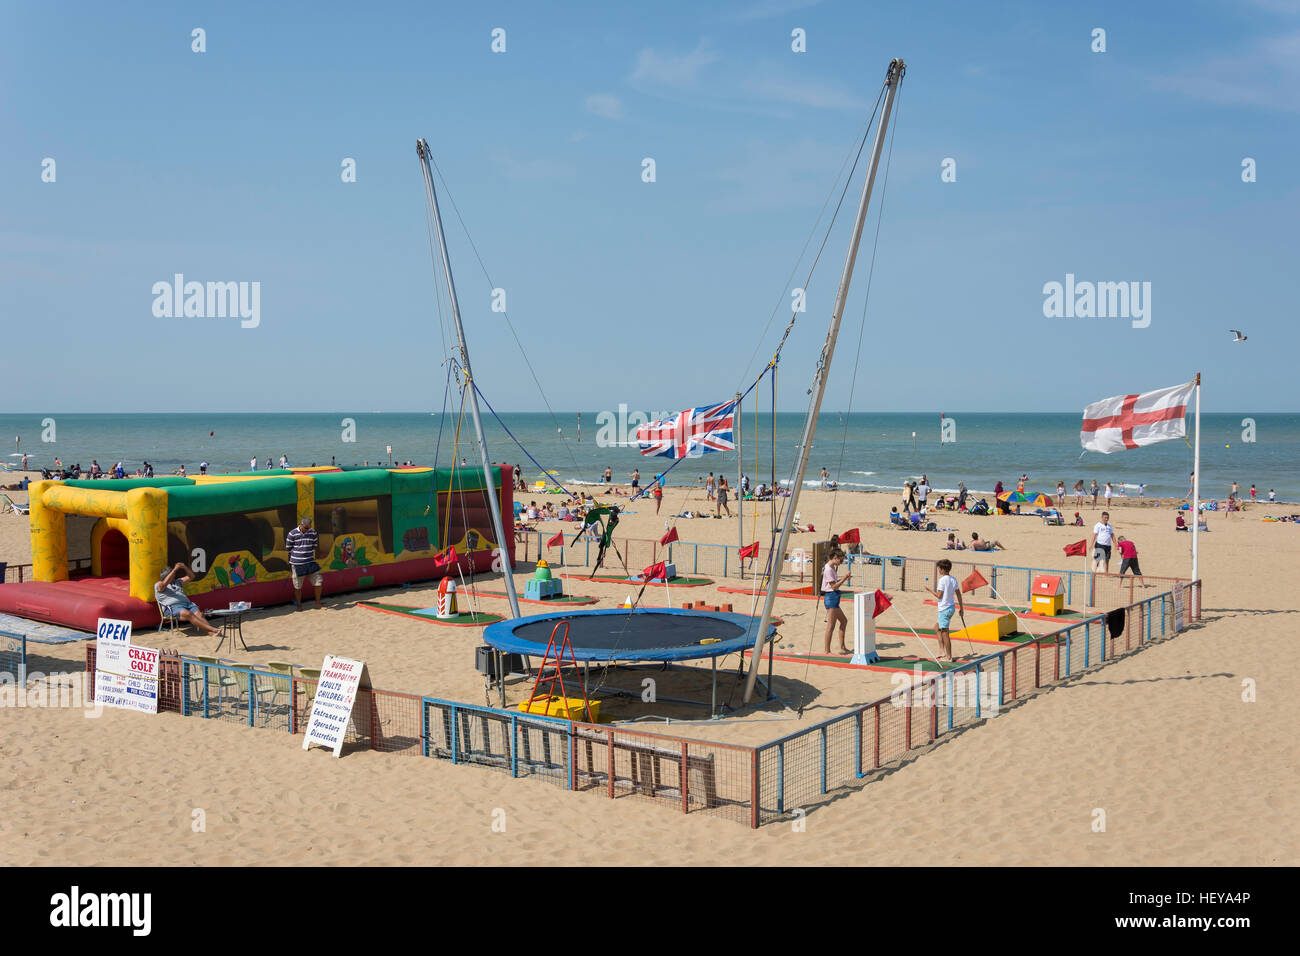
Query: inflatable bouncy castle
[{"x": 377, "y": 527}]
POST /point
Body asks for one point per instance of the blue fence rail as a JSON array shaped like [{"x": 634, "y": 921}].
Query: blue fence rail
[{"x": 13, "y": 656}]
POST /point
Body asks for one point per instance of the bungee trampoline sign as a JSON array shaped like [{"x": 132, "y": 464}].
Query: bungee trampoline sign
[{"x": 331, "y": 709}]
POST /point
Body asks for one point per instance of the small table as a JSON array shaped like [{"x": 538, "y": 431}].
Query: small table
[{"x": 231, "y": 625}]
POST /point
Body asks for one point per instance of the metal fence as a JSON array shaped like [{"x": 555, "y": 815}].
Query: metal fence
[
  {"x": 802, "y": 770},
  {"x": 18, "y": 573},
  {"x": 752, "y": 785},
  {"x": 13, "y": 656}
]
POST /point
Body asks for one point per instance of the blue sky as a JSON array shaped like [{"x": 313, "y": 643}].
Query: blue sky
[{"x": 225, "y": 166}]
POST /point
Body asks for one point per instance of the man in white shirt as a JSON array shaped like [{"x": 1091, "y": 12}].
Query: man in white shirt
[
  {"x": 1103, "y": 535},
  {"x": 922, "y": 492}
]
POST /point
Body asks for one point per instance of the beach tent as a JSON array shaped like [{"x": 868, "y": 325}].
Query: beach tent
[{"x": 1032, "y": 498}]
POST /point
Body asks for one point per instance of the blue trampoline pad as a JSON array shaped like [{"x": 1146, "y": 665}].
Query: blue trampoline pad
[{"x": 616, "y": 634}]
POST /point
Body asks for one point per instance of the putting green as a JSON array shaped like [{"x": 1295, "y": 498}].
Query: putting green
[{"x": 426, "y": 614}]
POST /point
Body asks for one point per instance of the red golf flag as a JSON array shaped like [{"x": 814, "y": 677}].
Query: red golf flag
[
  {"x": 669, "y": 536},
  {"x": 1078, "y": 548},
  {"x": 972, "y": 581},
  {"x": 851, "y": 537},
  {"x": 558, "y": 539},
  {"x": 749, "y": 550},
  {"x": 883, "y": 601},
  {"x": 446, "y": 558},
  {"x": 656, "y": 570}
]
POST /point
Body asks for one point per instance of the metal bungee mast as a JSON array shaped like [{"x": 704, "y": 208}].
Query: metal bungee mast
[
  {"x": 893, "y": 78},
  {"x": 422, "y": 150}
]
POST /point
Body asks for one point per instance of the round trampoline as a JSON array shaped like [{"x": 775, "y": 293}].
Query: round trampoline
[{"x": 645, "y": 634}]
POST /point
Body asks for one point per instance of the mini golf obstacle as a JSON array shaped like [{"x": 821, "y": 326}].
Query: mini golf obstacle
[
  {"x": 446, "y": 612},
  {"x": 665, "y": 636}
]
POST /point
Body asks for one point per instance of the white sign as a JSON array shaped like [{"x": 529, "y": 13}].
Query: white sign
[
  {"x": 1180, "y": 608},
  {"x": 126, "y": 676},
  {"x": 336, "y": 692}
]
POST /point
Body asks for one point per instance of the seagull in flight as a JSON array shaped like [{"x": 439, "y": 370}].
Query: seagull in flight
[{"x": 1237, "y": 336}]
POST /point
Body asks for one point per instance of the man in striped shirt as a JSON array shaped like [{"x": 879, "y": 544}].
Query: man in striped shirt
[{"x": 301, "y": 544}]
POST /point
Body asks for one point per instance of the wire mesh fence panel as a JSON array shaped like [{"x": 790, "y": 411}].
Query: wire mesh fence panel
[
  {"x": 682, "y": 774},
  {"x": 221, "y": 691},
  {"x": 13, "y": 657},
  {"x": 890, "y": 740},
  {"x": 514, "y": 743}
]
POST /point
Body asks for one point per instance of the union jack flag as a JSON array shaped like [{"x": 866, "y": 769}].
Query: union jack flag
[{"x": 691, "y": 433}]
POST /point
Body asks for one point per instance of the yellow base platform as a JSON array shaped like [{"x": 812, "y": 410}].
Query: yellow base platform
[{"x": 566, "y": 708}]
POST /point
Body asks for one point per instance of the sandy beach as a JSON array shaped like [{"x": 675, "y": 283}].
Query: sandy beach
[{"x": 1185, "y": 769}]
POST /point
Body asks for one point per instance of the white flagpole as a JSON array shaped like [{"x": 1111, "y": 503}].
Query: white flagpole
[{"x": 1196, "y": 485}]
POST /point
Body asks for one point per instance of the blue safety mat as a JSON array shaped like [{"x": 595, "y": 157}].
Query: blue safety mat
[{"x": 39, "y": 633}]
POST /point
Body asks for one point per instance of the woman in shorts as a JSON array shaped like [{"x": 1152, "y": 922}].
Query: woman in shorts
[{"x": 831, "y": 582}]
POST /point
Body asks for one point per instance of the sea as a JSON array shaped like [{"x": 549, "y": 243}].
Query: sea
[{"x": 861, "y": 451}]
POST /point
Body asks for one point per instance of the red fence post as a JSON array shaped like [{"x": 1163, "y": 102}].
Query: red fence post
[
  {"x": 610, "y": 732},
  {"x": 685, "y": 777},
  {"x": 907, "y": 716}
]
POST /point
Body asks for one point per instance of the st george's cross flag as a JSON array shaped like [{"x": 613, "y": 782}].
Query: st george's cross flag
[
  {"x": 1130, "y": 421},
  {"x": 689, "y": 434}
]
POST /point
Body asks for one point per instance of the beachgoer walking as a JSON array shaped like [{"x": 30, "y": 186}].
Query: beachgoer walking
[
  {"x": 923, "y": 491},
  {"x": 826, "y": 481},
  {"x": 1110, "y": 491},
  {"x": 252, "y": 463},
  {"x": 636, "y": 480},
  {"x": 658, "y": 493},
  {"x": 1272, "y": 495},
  {"x": 831, "y": 582},
  {"x": 284, "y": 460},
  {"x": 722, "y": 497},
  {"x": 948, "y": 592},
  {"x": 1103, "y": 536},
  {"x": 1252, "y": 493},
  {"x": 301, "y": 543},
  {"x": 1060, "y": 493},
  {"x": 710, "y": 485},
  {"x": 1094, "y": 489},
  {"x": 1078, "y": 492}
]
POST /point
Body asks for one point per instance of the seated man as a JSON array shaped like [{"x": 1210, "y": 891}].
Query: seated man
[
  {"x": 979, "y": 544},
  {"x": 173, "y": 602}
]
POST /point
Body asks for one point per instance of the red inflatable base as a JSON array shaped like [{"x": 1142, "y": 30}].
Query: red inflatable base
[{"x": 80, "y": 602}]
